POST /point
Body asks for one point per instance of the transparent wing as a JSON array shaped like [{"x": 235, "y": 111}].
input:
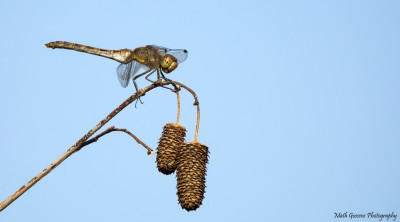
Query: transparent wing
[
  {"x": 180, "y": 54},
  {"x": 136, "y": 69},
  {"x": 125, "y": 72},
  {"x": 161, "y": 49}
]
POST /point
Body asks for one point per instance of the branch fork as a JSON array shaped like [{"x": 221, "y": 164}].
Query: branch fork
[{"x": 84, "y": 141}]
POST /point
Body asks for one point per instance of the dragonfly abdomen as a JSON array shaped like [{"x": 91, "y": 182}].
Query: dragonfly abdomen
[{"x": 122, "y": 56}]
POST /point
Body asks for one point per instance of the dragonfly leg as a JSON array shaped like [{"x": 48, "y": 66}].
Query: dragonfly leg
[
  {"x": 166, "y": 79},
  {"x": 158, "y": 78},
  {"x": 147, "y": 77},
  {"x": 158, "y": 74},
  {"x": 141, "y": 74},
  {"x": 134, "y": 82},
  {"x": 137, "y": 91}
]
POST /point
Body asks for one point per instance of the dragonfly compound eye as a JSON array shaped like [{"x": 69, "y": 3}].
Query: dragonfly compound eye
[{"x": 169, "y": 63}]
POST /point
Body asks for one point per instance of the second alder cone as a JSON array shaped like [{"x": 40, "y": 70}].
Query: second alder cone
[
  {"x": 172, "y": 137},
  {"x": 191, "y": 174}
]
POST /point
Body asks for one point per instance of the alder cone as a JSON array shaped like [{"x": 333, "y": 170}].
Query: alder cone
[
  {"x": 172, "y": 137},
  {"x": 191, "y": 174}
]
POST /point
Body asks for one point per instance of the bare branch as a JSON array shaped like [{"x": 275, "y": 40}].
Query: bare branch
[
  {"x": 113, "y": 129},
  {"x": 79, "y": 144},
  {"x": 149, "y": 151},
  {"x": 196, "y": 101}
]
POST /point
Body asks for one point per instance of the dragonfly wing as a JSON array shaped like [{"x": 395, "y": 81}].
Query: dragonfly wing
[
  {"x": 161, "y": 49},
  {"x": 136, "y": 69},
  {"x": 180, "y": 54},
  {"x": 125, "y": 72}
]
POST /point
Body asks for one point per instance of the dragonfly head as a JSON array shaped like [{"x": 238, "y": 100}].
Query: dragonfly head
[{"x": 169, "y": 63}]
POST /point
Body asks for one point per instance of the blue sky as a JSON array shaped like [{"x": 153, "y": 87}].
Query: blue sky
[{"x": 299, "y": 108}]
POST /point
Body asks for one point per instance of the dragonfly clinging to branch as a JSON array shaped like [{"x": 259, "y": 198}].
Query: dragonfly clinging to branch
[{"x": 151, "y": 58}]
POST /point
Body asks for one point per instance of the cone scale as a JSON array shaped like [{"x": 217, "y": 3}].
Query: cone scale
[
  {"x": 191, "y": 174},
  {"x": 172, "y": 137}
]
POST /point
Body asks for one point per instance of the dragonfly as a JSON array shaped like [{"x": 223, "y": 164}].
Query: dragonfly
[{"x": 150, "y": 58}]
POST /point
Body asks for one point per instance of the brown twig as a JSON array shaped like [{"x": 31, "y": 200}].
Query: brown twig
[
  {"x": 196, "y": 103},
  {"x": 149, "y": 150},
  {"x": 79, "y": 143},
  {"x": 179, "y": 107},
  {"x": 113, "y": 129},
  {"x": 197, "y": 123}
]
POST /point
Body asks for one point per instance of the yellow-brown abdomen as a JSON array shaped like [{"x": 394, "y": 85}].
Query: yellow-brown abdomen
[{"x": 123, "y": 55}]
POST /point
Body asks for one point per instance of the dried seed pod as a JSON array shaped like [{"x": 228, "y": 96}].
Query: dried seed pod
[
  {"x": 191, "y": 174},
  {"x": 172, "y": 137}
]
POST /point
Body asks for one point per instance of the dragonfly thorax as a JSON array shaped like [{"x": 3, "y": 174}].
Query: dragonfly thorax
[
  {"x": 169, "y": 63},
  {"x": 148, "y": 56}
]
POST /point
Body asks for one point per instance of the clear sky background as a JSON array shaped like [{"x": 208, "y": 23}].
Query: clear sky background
[{"x": 299, "y": 108}]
